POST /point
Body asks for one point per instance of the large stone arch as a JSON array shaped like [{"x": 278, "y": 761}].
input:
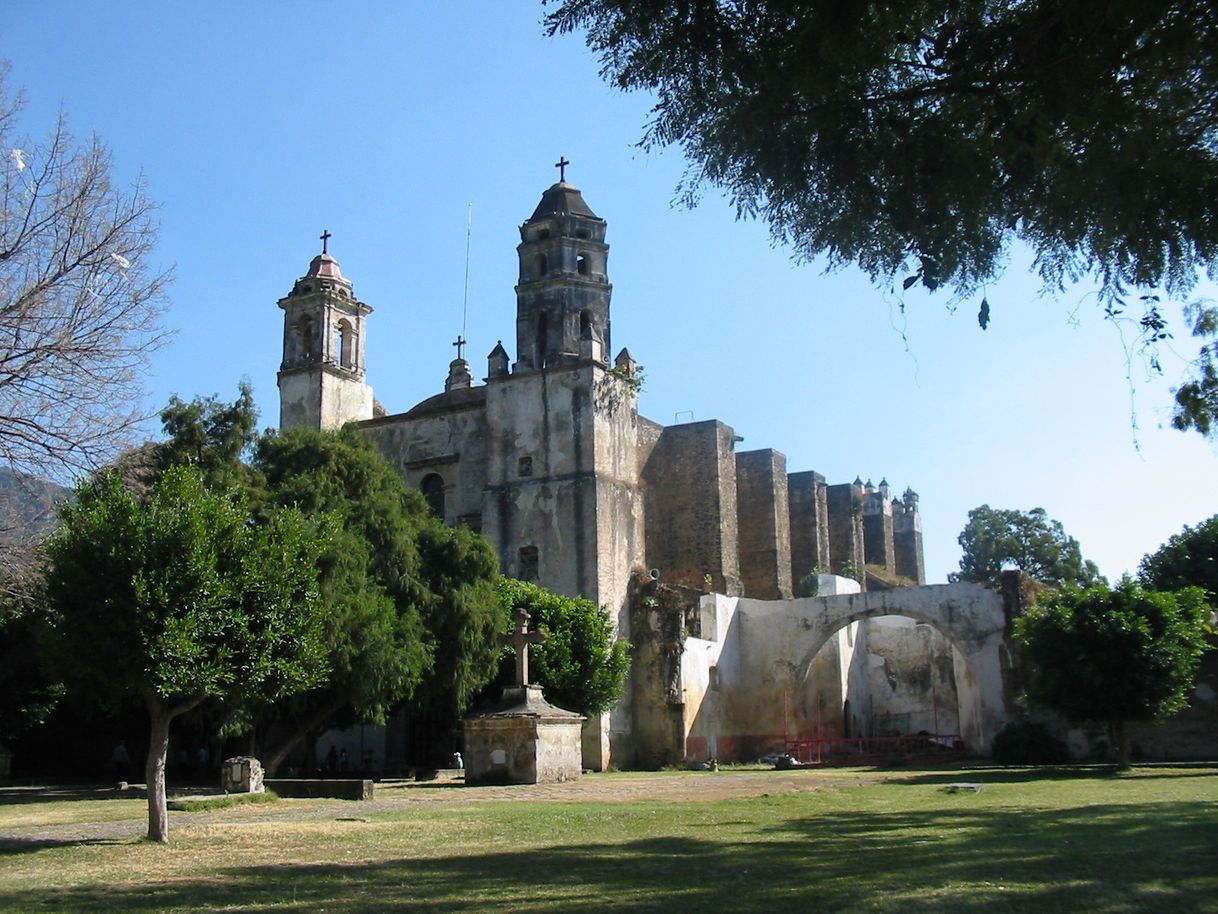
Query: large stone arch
[
  {"x": 752, "y": 653},
  {"x": 974, "y": 620}
]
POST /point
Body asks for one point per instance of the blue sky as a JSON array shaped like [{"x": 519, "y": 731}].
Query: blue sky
[{"x": 259, "y": 125}]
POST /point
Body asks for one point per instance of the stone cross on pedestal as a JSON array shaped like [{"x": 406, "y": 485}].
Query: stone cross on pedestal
[
  {"x": 520, "y": 639},
  {"x": 460, "y": 344}
]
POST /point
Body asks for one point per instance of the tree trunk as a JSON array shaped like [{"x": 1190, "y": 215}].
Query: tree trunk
[
  {"x": 160, "y": 716},
  {"x": 301, "y": 728},
  {"x": 154, "y": 771}
]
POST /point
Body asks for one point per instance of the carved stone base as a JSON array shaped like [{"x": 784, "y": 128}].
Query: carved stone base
[{"x": 522, "y": 740}]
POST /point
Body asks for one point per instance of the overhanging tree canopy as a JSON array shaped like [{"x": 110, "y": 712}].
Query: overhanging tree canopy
[{"x": 919, "y": 140}]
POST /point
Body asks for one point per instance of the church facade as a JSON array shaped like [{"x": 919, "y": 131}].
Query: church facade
[{"x": 549, "y": 458}]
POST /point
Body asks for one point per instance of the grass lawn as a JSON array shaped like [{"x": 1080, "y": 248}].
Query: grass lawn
[{"x": 844, "y": 839}]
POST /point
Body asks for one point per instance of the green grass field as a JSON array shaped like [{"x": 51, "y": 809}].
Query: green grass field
[{"x": 846, "y": 839}]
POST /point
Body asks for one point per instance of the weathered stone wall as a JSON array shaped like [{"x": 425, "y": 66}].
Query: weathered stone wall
[
  {"x": 808, "y": 506},
  {"x": 907, "y": 545},
  {"x": 450, "y": 443},
  {"x": 845, "y": 528},
  {"x": 549, "y": 503},
  {"x": 911, "y": 678},
  {"x": 660, "y": 701},
  {"x": 690, "y": 495},
  {"x": 877, "y": 532},
  {"x": 771, "y": 673},
  {"x": 321, "y": 397},
  {"x": 763, "y": 524}
]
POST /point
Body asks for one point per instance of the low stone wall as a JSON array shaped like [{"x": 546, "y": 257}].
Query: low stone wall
[{"x": 335, "y": 788}]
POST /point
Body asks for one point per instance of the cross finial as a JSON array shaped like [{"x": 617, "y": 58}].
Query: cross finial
[
  {"x": 325, "y": 241},
  {"x": 460, "y": 344},
  {"x": 520, "y": 639},
  {"x": 561, "y": 165}
]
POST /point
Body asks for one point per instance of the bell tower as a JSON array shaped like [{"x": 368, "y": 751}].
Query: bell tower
[
  {"x": 562, "y": 296},
  {"x": 321, "y": 378}
]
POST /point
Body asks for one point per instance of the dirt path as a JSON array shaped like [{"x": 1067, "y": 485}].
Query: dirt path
[{"x": 665, "y": 787}]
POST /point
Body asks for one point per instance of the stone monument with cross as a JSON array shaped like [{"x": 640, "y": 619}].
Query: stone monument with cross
[{"x": 524, "y": 739}]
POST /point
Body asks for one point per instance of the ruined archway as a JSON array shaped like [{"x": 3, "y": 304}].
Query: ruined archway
[{"x": 753, "y": 653}]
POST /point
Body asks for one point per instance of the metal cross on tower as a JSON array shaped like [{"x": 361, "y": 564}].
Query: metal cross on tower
[
  {"x": 325, "y": 241},
  {"x": 460, "y": 344},
  {"x": 561, "y": 165},
  {"x": 520, "y": 639}
]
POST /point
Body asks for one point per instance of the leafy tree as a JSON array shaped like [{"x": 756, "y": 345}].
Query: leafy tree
[
  {"x": 463, "y": 618},
  {"x": 998, "y": 539},
  {"x": 1188, "y": 559},
  {"x": 411, "y": 606},
  {"x": 1118, "y": 655},
  {"x": 209, "y": 434},
  {"x": 371, "y": 582},
  {"x": 580, "y": 666},
  {"x": 922, "y": 139},
  {"x": 180, "y": 598},
  {"x": 80, "y": 300}
]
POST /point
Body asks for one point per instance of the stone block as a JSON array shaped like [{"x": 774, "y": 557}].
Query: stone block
[
  {"x": 241, "y": 774},
  {"x": 335, "y": 788}
]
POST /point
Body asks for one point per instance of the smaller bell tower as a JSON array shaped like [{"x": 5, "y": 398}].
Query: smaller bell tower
[{"x": 321, "y": 379}]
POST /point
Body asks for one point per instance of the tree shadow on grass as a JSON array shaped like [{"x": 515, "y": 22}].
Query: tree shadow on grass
[
  {"x": 14, "y": 845},
  {"x": 1100, "y": 858},
  {"x": 10, "y": 796},
  {"x": 1027, "y": 775}
]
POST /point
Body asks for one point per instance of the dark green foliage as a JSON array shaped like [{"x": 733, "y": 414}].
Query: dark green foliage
[
  {"x": 208, "y": 433},
  {"x": 1114, "y": 655},
  {"x": 1188, "y": 559},
  {"x": 411, "y": 610},
  {"x": 919, "y": 140},
  {"x": 1024, "y": 742},
  {"x": 580, "y": 666},
  {"x": 183, "y": 596},
  {"x": 998, "y": 539},
  {"x": 28, "y": 691},
  {"x": 462, "y": 615}
]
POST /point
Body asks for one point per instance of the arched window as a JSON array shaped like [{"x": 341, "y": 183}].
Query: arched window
[
  {"x": 528, "y": 570},
  {"x": 542, "y": 341},
  {"x": 346, "y": 344},
  {"x": 585, "y": 325},
  {"x": 542, "y": 265},
  {"x": 304, "y": 338},
  {"x": 581, "y": 264},
  {"x": 433, "y": 490}
]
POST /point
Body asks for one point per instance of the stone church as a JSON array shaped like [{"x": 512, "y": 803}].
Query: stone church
[{"x": 549, "y": 458}]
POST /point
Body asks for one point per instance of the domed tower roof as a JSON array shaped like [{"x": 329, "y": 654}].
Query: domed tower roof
[
  {"x": 562, "y": 199},
  {"x": 325, "y": 267}
]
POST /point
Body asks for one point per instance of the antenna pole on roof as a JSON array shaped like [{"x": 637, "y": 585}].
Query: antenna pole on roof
[{"x": 469, "y": 230}]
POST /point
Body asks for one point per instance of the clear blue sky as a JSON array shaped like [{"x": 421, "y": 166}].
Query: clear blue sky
[{"x": 258, "y": 125}]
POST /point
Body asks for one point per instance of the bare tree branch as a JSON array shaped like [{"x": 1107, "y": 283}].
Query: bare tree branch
[{"x": 80, "y": 301}]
